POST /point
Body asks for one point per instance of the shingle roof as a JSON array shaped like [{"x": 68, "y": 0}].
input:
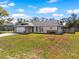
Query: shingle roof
[
  {"x": 47, "y": 23},
  {"x": 42, "y": 23}
]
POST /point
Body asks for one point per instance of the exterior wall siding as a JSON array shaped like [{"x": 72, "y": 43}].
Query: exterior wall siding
[
  {"x": 59, "y": 30},
  {"x": 39, "y": 29},
  {"x": 45, "y": 29}
]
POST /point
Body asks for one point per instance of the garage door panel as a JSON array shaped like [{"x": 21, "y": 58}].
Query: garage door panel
[{"x": 20, "y": 29}]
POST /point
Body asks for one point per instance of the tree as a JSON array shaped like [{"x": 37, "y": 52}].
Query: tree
[
  {"x": 9, "y": 20},
  {"x": 74, "y": 16},
  {"x": 1, "y": 22},
  {"x": 51, "y": 19},
  {"x": 3, "y": 12},
  {"x": 71, "y": 21},
  {"x": 35, "y": 18},
  {"x": 21, "y": 20}
]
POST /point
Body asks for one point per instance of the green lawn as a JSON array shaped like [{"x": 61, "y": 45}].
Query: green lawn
[{"x": 40, "y": 46}]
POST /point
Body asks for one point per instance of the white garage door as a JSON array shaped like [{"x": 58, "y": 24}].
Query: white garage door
[{"x": 20, "y": 29}]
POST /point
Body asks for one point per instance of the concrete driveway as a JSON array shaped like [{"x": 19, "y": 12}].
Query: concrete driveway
[{"x": 6, "y": 34}]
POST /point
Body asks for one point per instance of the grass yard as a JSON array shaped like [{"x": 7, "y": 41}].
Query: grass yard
[{"x": 40, "y": 46}]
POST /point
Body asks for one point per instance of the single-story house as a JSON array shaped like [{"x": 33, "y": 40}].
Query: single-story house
[{"x": 48, "y": 26}]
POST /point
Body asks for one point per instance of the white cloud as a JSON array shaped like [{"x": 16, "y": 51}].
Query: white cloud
[
  {"x": 31, "y": 6},
  {"x": 6, "y": 4},
  {"x": 69, "y": 11},
  {"x": 76, "y": 11},
  {"x": 47, "y": 10},
  {"x": 20, "y": 15},
  {"x": 11, "y": 4},
  {"x": 3, "y": 2},
  {"x": 57, "y": 15},
  {"x": 20, "y": 10},
  {"x": 52, "y": 1}
]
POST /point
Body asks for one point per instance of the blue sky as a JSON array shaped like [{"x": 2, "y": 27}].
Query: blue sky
[{"x": 41, "y": 8}]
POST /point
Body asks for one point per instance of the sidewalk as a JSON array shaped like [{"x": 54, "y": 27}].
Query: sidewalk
[{"x": 6, "y": 34}]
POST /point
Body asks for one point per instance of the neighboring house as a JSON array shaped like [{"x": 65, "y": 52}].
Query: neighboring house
[
  {"x": 49, "y": 26},
  {"x": 7, "y": 27}
]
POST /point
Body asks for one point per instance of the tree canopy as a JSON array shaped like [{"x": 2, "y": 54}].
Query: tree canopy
[
  {"x": 3, "y": 12},
  {"x": 72, "y": 21}
]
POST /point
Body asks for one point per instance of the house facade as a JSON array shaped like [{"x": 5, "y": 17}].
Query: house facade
[{"x": 49, "y": 26}]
